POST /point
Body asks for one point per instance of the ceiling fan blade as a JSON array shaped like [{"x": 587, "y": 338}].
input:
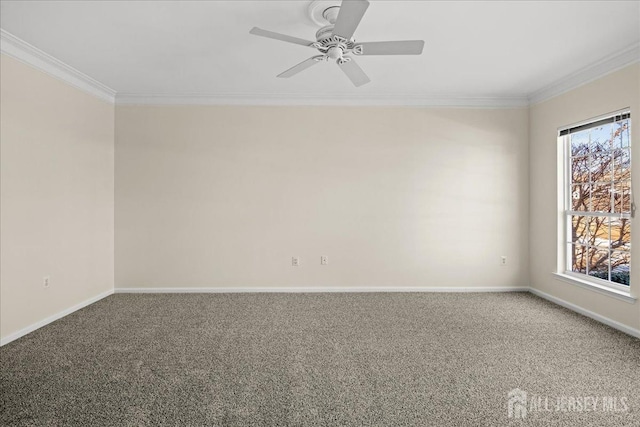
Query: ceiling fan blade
[
  {"x": 350, "y": 15},
  {"x": 285, "y": 38},
  {"x": 301, "y": 66},
  {"x": 404, "y": 47},
  {"x": 354, "y": 72}
]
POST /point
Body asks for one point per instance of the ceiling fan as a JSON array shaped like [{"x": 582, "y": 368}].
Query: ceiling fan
[{"x": 335, "y": 41}]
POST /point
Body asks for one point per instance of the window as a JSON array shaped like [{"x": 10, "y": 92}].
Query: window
[{"x": 598, "y": 204}]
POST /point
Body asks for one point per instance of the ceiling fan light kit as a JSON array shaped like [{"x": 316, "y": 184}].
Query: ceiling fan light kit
[{"x": 334, "y": 40}]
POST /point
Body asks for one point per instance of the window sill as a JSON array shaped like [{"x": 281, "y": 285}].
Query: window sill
[{"x": 601, "y": 289}]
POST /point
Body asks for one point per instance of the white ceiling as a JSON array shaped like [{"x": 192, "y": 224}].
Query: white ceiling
[{"x": 473, "y": 49}]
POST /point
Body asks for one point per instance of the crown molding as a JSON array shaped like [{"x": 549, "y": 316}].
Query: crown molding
[
  {"x": 272, "y": 99},
  {"x": 14, "y": 47},
  {"x": 614, "y": 62}
]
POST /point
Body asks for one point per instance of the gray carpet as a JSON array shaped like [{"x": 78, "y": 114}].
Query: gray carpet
[{"x": 372, "y": 359}]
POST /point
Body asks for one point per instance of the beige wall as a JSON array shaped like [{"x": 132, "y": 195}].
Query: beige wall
[
  {"x": 225, "y": 196},
  {"x": 56, "y": 196},
  {"x": 612, "y": 92}
]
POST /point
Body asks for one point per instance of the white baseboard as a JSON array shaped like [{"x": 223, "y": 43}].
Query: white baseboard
[
  {"x": 316, "y": 289},
  {"x": 22, "y": 332},
  {"x": 595, "y": 316}
]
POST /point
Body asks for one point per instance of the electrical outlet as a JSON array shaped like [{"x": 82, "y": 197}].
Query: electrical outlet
[
  {"x": 295, "y": 261},
  {"x": 324, "y": 260},
  {"x": 503, "y": 260},
  {"x": 46, "y": 281}
]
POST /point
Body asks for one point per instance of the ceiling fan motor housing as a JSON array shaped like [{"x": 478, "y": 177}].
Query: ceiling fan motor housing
[
  {"x": 335, "y": 47},
  {"x": 330, "y": 46},
  {"x": 325, "y": 32}
]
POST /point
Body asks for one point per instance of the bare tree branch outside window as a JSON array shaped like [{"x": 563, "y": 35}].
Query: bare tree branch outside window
[{"x": 600, "y": 161}]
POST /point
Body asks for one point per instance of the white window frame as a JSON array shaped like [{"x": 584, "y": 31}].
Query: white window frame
[{"x": 564, "y": 203}]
